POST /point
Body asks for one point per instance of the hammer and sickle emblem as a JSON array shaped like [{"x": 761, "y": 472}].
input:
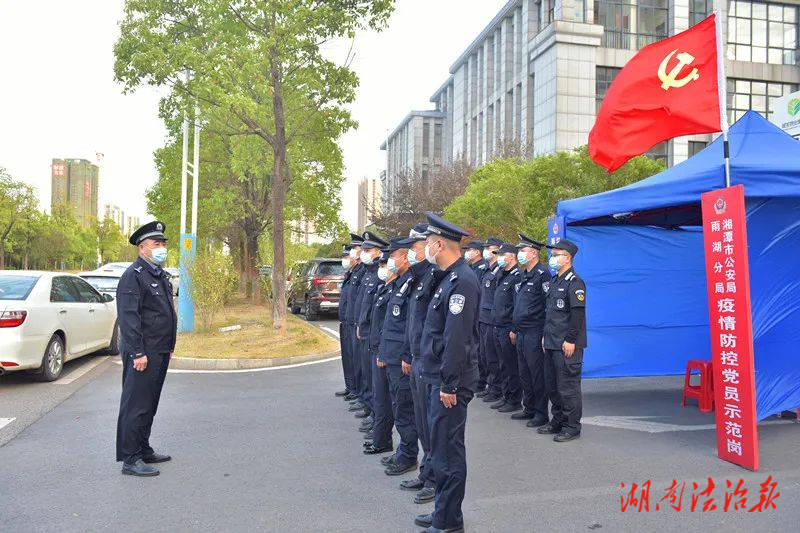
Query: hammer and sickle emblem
[{"x": 671, "y": 79}]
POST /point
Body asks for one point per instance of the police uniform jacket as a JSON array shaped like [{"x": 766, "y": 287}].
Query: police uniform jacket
[
  {"x": 394, "y": 347},
  {"x": 450, "y": 337},
  {"x": 504, "y": 295},
  {"x": 147, "y": 319},
  {"x": 344, "y": 291},
  {"x": 564, "y": 293},
  {"x": 488, "y": 285},
  {"x": 377, "y": 311},
  {"x": 421, "y": 292},
  {"x": 351, "y": 313},
  {"x": 366, "y": 295},
  {"x": 479, "y": 268},
  {"x": 530, "y": 301}
]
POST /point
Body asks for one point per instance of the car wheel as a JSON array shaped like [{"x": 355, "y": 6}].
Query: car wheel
[
  {"x": 53, "y": 360},
  {"x": 113, "y": 348},
  {"x": 310, "y": 314},
  {"x": 295, "y": 309}
]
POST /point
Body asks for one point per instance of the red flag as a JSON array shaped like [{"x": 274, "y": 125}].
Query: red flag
[{"x": 670, "y": 88}]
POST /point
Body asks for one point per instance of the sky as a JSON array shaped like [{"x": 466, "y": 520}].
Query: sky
[{"x": 58, "y": 97}]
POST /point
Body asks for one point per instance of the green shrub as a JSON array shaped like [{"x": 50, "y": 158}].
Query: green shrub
[{"x": 214, "y": 281}]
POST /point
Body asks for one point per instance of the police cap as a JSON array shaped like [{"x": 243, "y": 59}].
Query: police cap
[
  {"x": 444, "y": 228},
  {"x": 527, "y": 242},
  {"x": 506, "y": 248},
  {"x": 477, "y": 245},
  {"x": 398, "y": 243},
  {"x": 373, "y": 241},
  {"x": 493, "y": 241},
  {"x": 355, "y": 240},
  {"x": 568, "y": 246},
  {"x": 152, "y": 230}
]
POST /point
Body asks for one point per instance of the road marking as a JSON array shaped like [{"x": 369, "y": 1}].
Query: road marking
[
  {"x": 644, "y": 424},
  {"x": 5, "y": 421},
  {"x": 329, "y": 330},
  {"x": 246, "y": 370},
  {"x": 77, "y": 373}
]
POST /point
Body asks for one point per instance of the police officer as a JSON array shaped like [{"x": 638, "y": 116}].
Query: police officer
[
  {"x": 379, "y": 440},
  {"x": 350, "y": 317},
  {"x": 473, "y": 255},
  {"x": 508, "y": 282},
  {"x": 564, "y": 342},
  {"x": 493, "y": 391},
  {"x": 344, "y": 342},
  {"x": 528, "y": 324},
  {"x": 450, "y": 367},
  {"x": 421, "y": 293},
  {"x": 148, "y": 325},
  {"x": 395, "y": 352}
]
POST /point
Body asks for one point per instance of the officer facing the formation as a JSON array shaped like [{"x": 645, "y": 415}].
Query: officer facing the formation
[
  {"x": 508, "y": 282},
  {"x": 450, "y": 367},
  {"x": 421, "y": 293},
  {"x": 350, "y": 317},
  {"x": 148, "y": 326},
  {"x": 564, "y": 342},
  {"x": 344, "y": 341},
  {"x": 528, "y": 329},
  {"x": 488, "y": 352}
]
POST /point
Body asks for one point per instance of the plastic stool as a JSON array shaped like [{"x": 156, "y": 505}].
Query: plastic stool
[{"x": 703, "y": 393}]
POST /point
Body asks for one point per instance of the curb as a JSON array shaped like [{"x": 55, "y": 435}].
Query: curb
[{"x": 194, "y": 363}]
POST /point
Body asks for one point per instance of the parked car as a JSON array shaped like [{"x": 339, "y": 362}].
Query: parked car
[
  {"x": 174, "y": 278},
  {"x": 315, "y": 287},
  {"x": 49, "y": 318},
  {"x": 104, "y": 282},
  {"x": 114, "y": 267}
]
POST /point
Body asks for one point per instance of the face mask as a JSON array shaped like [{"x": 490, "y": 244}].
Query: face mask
[
  {"x": 353, "y": 254},
  {"x": 522, "y": 257},
  {"x": 412, "y": 257},
  {"x": 383, "y": 273},
  {"x": 553, "y": 263},
  {"x": 346, "y": 262},
  {"x": 501, "y": 261},
  {"x": 159, "y": 255},
  {"x": 467, "y": 256},
  {"x": 366, "y": 258},
  {"x": 391, "y": 265},
  {"x": 487, "y": 255},
  {"x": 431, "y": 258}
]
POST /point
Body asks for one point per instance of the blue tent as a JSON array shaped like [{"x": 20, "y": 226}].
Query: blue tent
[{"x": 641, "y": 254}]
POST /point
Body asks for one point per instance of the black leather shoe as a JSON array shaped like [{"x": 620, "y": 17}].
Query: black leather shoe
[
  {"x": 350, "y": 397},
  {"x": 412, "y": 484},
  {"x": 372, "y": 450},
  {"x": 498, "y": 404},
  {"x": 156, "y": 458},
  {"x": 398, "y": 469},
  {"x": 457, "y": 529},
  {"x": 549, "y": 429},
  {"x": 424, "y": 520},
  {"x": 341, "y": 393},
  {"x": 369, "y": 435},
  {"x": 139, "y": 468},
  {"x": 367, "y": 444},
  {"x": 537, "y": 422},
  {"x": 425, "y": 495},
  {"x": 365, "y": 429},
  {"x": 361, "y": 414},
  {"x": 356, "y": 407},
  {"x": 489, "y": 398},
  {"x": 482, "y": 393},
  {"x": 509, "y": 408},
  {"x": 524, "y": 415},
  {"x": 566, "y": 437},
  {"x": 388, "y": 461}
]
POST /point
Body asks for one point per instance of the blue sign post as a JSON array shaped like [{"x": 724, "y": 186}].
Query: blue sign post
[
  {"x": 185, "y": 301},
  {"x": 556, "y": 230}
]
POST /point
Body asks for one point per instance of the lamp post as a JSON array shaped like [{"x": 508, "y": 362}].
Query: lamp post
[{"x": 188, "y": 241}]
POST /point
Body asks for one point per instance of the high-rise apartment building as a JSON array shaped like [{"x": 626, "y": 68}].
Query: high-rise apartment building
[
  {"x": 74, "y": 184},
  {"x": 370, "y": 201}
]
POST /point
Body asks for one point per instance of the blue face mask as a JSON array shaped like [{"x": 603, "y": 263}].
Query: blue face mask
[
  {"x": 487, "y": 255},
  {"x": 412, "y": 257},
  {"x": 553, "y": 263},
  {"x": 391, "y": 265},
  {"x": 522, "y": 257},
  {"x": 159, "y": 255},
  {"x": 501, "y": 261}
]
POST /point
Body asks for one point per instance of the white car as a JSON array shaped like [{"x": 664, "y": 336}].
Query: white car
[
  {"x": 114, "y": 267},
  {"x": 48, "y": 318},
  {"x": 174, "y": 279},
  {"x": 104, "y": 282}
]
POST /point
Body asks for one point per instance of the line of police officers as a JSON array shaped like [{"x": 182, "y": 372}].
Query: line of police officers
[{"x": 426, "y": 325}]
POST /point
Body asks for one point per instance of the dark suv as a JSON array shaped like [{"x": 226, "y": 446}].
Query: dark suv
[{"x": 314, "y": 287}]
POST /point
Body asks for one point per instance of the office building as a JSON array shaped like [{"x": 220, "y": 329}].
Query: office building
[
  {"x": 116, "y": 214},
  {"x": 74, "y": 184},
  {"x": 370, "y": 201}
]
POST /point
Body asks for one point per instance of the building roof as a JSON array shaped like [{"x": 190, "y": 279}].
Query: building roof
[
  {"x": 441, "y": 88},
  {"x": 430, "y": 113}
]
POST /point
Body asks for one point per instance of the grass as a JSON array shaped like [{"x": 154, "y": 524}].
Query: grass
[{"x": 256, "y": 339}]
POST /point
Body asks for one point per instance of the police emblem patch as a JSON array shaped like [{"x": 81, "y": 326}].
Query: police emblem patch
[
  {"x": 580, "y": 295},
  {"x": 396, "y": 310},
  {"x": 457, "y": 303},
  {"x": 546, "y": 286},
  {"x": 488, "y": 283},
  {"x": 517, "y": 286},
  {"x": 560, "y": 303}
]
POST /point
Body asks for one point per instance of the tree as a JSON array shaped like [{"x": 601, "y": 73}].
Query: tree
[
  {"x": 17, "y": 204},
  {"x": 507, "y": 196},
  {"x": 110, "y": 239},
  {"x": 260, "y": 62}
]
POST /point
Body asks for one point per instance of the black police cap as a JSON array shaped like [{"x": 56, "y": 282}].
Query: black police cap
[
  {"x": 398, "y": 243},
  {"x": 152, "y": 230},
  {"x": 355, "y": 240},
  {"x": 477, "y": 245},
  {"x": 568, "y": 246},
  {"x": 373, "y": 241},
  {"x": 506, "y": 248},
  {"x": 525, "y": 242},
  {"x": 418, "y": 232},
  {"x": 493, "y": 241},
  {"x": 444, "y": 228}
]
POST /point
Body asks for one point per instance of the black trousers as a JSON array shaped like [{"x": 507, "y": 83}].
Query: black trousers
[
  {"x": 531, "y": 372},
  {"x": 448, "y": 456},
  {"x": 507, "y": 354},
  {"x": 358, "y": 386},
  {"x": 381, "y": 407},
  {"x": 347, "y": 357},
  {"x": 141, "y": 392},
  {"x": 403, "y": 411},
  {"x": 488, "y": 349},
  {"x": 419, "y": 392},
  {"x": 563, "y": 383},
  {"x": 367, "y": 364}
]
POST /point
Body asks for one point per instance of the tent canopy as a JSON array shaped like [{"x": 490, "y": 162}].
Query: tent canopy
[{"x": 642, "y": 259}]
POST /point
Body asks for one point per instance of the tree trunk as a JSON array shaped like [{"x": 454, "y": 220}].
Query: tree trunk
[
  {"x": 252, "y": 267},
  {"x": 278, "y": 196}
]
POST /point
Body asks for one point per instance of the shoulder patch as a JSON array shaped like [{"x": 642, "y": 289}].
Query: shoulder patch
[
  {"x": 482, "y": 267},
  {"x": 138, "y": 269},
  {"x": 580, "y": 295},
  {"x": 453, "y": 276},
  {"x": 457, "y": 303}
]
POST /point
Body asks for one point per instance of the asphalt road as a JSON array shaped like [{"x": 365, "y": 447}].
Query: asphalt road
[{"x": 275, "y": 451}]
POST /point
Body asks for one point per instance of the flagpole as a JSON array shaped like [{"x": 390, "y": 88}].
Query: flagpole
[{"x": 723, "y": 97}]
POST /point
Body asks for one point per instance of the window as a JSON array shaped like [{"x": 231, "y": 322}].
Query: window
[
  {"x": 426, "y": 138},
  {"x": 63, "y": 291},
  {"x": 630, "y": 25},
  {"x": 744, "y": 95},
  {"x": 580, "y": 10},
  {"x": 699, "y": 10},
  {"x": 86, "y": 293},
  {"x": 545, "y": 13},
  {"x": 695, "y": 147},
  {"x": 762, "y": 32},
  {"x": 603, "y": 78},
  {"x": 660, "y": 152},
  {"x": 16, "y": 287},
  {"x": 437, "y": 141}
]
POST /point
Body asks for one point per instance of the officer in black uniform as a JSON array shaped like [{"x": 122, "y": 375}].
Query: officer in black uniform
[
  {"x": 473, "y": 255},
  {"x": 508, "y": 282},
  {"x": 564, "y": 342},
  {"x": 370, "y": 254},
  {"x": 488, "y": 351},
  {"x": 450, "y": 367},
  {"x": 344, "y": 342},
  {"x": 396, "y": 353},
  {"x": 528, "y": 330},
  {"x": 421, "y": 292},
  {"x": 148, "y": 326},
  {"x": 350, "y": 316},
  {"x": 379, "y": 440}
]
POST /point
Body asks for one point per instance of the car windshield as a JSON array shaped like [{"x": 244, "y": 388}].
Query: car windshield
[
  {"x": 330, "y": 269},
  {"x": 102, "y": 283},
  {"x": 16, "y": 287}
]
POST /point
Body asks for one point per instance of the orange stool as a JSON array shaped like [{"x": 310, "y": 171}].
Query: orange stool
[{"x": 704, "y": 392}]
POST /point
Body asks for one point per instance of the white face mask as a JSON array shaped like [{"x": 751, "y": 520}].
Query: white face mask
[
  {"x": 346, "y": 262},
  {"x": 366, "y": 258},
  {"x": 487, "y": 255},
  {"x": 431, "y": 258},
  {"x": 353, "y": 254},
  {"x": 383, "y": 273}
]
